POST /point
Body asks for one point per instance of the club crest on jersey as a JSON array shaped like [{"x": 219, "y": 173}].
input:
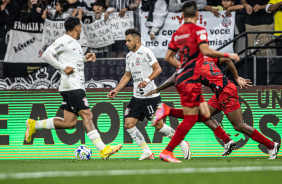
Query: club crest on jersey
[
  {"x": 126, "y": 112},
  {"x": 137, "y": 61}
]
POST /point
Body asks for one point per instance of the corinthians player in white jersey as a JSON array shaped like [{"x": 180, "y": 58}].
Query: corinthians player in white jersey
[
  {"x": 66, "y": 55},
  {"x": 143, "y": 67}
]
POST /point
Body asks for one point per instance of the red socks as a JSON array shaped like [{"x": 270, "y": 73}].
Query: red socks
[
  {"x": 181, "y": 131},
  {"x": 258, "y": 137},
  {"x": 220, "y": 133},
  {"x": 178, "y": 113}
]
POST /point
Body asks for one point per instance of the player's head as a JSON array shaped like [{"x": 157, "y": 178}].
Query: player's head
[
  {"x": 227, "y": 3},
  {"x": 133, "y": 38},
  {"x": 72, "y": 24},
  {"x": 190, "y": 10}
]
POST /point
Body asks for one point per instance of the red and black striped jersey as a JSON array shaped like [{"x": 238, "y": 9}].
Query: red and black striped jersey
[
  {"x": 212, "y": 77},
  {"x": 186, "y": 41}
]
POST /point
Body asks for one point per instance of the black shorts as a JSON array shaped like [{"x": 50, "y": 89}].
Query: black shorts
[
  {"x": 139, "y": 108},
  {"x": 74, "y": 101}
]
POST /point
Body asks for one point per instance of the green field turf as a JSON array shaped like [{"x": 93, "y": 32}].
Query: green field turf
[{"x": 251, "y": 170}]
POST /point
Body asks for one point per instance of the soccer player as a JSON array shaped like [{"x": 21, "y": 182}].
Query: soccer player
[
  {"x": 192, "y": 43},
  {"x": 143, "y": 67},
  {"x": 225, "y": 99},
  {"x": 66, "y": 55}
]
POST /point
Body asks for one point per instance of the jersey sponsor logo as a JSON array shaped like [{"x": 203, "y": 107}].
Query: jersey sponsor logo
[
  {"x": 137, "y": 61},
  {"x": 203, "y": 31},
  {"x": 59, "y": 46},
  {"x": 126, "y": 112},
  {"x": 181, "y": 37}
]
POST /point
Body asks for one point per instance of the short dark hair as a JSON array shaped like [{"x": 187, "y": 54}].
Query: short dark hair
[
  {"x": 189, "y": 9},
  {"x": 132, "y": 32},
  {"x": 71, "y": 22}
]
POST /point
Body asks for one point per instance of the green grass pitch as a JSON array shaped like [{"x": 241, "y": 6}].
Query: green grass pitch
[{"x": 212, "y": 170}]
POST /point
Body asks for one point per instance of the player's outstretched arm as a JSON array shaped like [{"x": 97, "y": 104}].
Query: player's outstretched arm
[
  {"x": 169, "y": 82},
  {"x": 245, "y": 83},
  {"x": 169, "y": 57},
  {"x": 207, "y": 51},
  {"x": 157, "y": 70},
  {"x": 124, "y": 80}
]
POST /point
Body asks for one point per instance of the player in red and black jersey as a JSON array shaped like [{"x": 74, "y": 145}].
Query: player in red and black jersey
[
  {"x": 225, "y": 99},
  {"x": 191, "y": 43}
]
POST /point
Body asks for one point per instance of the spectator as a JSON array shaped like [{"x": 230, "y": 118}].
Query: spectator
[
  {"x": 118, "y": 49},
  {"x": 61, "y": 12},
  {"x": 21, "y": 3},
  {"x": 276, "y": 6},
  {"x": 159, "y": 13},
  {"x": 32, "y": 11},
  {"x": 100, "y": 13},
  {"x": 9, "y": 11},
  {"x": 227, "y": 5},
  {"x": 176, "y": 5},
  {"x": 257, "y": 19},
  {"x": 99, "y": 8},
  {"x": 49, "y": 3},
  {"x": 78, "y": 4}
]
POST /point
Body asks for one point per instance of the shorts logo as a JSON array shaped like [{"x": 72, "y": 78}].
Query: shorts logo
[
  {"x": 126, "y": 111},
  {"x": 85, "y": 102}
]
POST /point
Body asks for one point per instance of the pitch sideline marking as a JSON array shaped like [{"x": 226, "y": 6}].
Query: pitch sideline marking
[{"x": 53, "y": 174}]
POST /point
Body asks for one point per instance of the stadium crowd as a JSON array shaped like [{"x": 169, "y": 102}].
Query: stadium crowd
[{"x": 251, "y": 15}]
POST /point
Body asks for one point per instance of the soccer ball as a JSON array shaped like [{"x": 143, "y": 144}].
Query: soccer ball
[{"x": 83, "y": 152}]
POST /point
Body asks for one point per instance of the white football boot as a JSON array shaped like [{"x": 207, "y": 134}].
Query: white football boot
[
  {"x": 273, "y": 153},
  {"x": 147, "y": 155},
  {"x": 228, "y": 147},
  {"x": 186, "y": 150}
]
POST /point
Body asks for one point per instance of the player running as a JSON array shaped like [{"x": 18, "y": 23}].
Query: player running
[
  {"x": 191, "y": 42},
  {"x": 66, "y": 54},
  {"x": 225, "y": 99},
  {"x": 143, "y": 67}
]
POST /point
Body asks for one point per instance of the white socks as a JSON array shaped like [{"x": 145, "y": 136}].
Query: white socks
[
  {"x": 169, "y": 132},
  {"x": 138, "y": 138},
  {"x": 94, "y": 136},
  {"x": 45, "y": 124}
]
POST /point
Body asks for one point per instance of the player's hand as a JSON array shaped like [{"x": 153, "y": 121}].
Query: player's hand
[
  {"x": 234, "y": 57},
  {"x": 245, "y": 83},
  {"x": 69, "y": 70},
  {"x": 256, "y": 8},
  {"x": 142, "y": 84},
  {"x": 90, "y": 57},
  {"x": 122, "y": 12},
  {"x": 112, "y": 94},
  {"x": 249, "y": 9},
  {"x": 152, "y": 92}
]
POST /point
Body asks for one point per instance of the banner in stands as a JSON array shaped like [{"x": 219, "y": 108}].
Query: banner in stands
[
  {"x": 98, "y": 34},
  {"x": 261, "y": 109},
  {"x": 220, "y": 31},
  {"x": 120, "y": 25},
  {"x": 54, "y": 29},
  {"x": 24, "y": 47}
]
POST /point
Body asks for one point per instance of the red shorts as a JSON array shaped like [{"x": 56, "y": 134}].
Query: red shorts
[
  {"x": 227, "y": 101},
  {"x": 190, "y": 94}
]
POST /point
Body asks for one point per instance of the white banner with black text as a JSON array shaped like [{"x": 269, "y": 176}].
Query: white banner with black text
[{"x": 220, "y": 31}]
